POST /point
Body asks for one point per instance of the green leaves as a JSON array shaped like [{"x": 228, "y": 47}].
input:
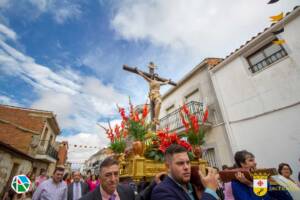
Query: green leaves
[
  {"x": 154, "y": 154},
  {"x": 191, "y": 155},
  {"x": 118, "y": 146},
  {"x": 196, "y": 138},
  {"x": 136, "y": 130},
  {"x": 157, "y": 158}
]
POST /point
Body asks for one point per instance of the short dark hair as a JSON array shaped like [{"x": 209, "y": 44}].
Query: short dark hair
[
  {"x": 281, "y": 165},
  {"x": 109, "y": 161},
  {"x": 174, "y": 149},
  {"x": 240, "y": 157},
  {"x": 58, "y": 169},
  {"x": 225, "y": 167}
]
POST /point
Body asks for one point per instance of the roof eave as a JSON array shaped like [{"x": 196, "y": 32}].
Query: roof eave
[
  {"x": 188, "y": 76},
  {"x": 267, "y": 32}
]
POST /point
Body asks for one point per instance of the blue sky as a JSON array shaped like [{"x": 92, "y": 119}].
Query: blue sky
[{"x": 67, "y": 55}]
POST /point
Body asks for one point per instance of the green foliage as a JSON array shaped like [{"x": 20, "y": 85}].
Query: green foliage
[
  {"x": 118, "y": 146},
  {"x": 196, "y": 138},
  {"x": 154, "y": 154},
  {"x": 191, "y": 155},
  {"x": 136, "y": 130}
]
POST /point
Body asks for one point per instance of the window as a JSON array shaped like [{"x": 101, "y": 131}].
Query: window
[
  {"x": 170, "y": 108},
  {"x": 265, "y": 56},
  {"x": 210, "y": 156},
  {"x": 44, "y": 137},
  {"x": 192, "y": 96}
]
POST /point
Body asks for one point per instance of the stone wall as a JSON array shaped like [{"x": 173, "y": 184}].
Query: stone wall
[{"x": 6, "y": 164}]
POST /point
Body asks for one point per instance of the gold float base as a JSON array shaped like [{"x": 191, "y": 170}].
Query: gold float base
[{"x": 138, "y": 167}]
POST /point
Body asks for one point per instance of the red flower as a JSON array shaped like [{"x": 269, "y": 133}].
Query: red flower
[
  {"x": 110, "y": 135},
  {"x": 166, "y": 139},
  {"x": 136, "y": 117},
  {"x": 122, "y": 113},
  {"x": 185, "y": 123},
  {"x": 145, "y": 111},
  {"x": 185, "y": 109},
  {"x": 125, "y": 133},
  {"x": 117, "y": 131},
  {"x": 195, "y": 124},
  {"x": 205, "y": 115},
  {"x": 185, "y": 145},
  {"x": 123, "y": 124}
]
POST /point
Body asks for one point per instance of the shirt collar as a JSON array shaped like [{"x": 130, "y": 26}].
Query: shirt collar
[
  {"x": 105, "y": 195},
  {"x": 189, "y": 186}
]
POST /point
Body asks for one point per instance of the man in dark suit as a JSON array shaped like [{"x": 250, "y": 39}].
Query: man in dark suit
[
  {"x": 177, "y": 184},
  {"x": 110, "y": 189},
  {"x": 78, "y": 188}
]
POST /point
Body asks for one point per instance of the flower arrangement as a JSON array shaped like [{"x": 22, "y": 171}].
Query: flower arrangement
[
  {"x": 194, "y": 133},
  {"x": 134, "y": 123},
  {"x": 117, "y": 138},
  {"x": 161, "y": 141}
]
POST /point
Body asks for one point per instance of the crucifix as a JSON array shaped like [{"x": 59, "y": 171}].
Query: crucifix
[{"x": 154, "y": 82}]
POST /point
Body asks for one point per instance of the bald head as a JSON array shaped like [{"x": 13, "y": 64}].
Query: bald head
[{"x": 76, "y": 176}]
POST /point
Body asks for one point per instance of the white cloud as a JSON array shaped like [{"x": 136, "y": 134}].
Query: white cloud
[
  {"x": 65, "y": 12},
  {"x": 4, "y": 3},
  {"x": 81, "y": 154},
  {"x": 7, "y": 32},
  {"x": 60, "y": 10},
  {"x": 8, "y": 101},
  {"x": 79, "y": 101},
  {"x": 207, "y": 28},
  {"x": 98, "y": 138}
]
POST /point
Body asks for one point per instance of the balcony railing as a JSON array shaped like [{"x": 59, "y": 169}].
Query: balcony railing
[
  {"x": 173, "y": 120},
  {"x": 51, "y": 151}
]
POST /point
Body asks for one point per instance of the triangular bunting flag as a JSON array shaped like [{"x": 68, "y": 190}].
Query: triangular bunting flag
[{"x": 277, "y": 18}]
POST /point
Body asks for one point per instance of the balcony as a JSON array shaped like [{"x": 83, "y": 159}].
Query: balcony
[
  {"x": 173, "y": 120},
  {"x": 49, "y": 155},
  {"x": 51, "y": 151}
]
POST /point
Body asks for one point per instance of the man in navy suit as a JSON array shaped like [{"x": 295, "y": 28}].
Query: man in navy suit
[
  {"x": 177, "y": 184},
  {"x": 77, "y": 189}
]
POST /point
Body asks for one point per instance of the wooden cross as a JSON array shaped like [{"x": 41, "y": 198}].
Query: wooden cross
[{"x": 149, "y": 75}]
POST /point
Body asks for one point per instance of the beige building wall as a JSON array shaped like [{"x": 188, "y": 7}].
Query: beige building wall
[
  {"x": 261, "y": 110},
  {"x": 197, "y": 86}
]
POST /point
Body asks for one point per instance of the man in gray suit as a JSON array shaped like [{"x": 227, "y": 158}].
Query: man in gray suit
[
  {"x": 78, "y": 188},
  {"x": 110, "y": 189}
]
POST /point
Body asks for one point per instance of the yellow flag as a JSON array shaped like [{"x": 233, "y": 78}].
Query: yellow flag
[
  {"x": 276, "y": 18},
  {"x": 279, "y": 42}
]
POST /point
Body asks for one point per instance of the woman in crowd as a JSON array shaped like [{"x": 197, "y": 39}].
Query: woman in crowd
[
  {"x": 93, "y": 182},
  {"x": 227, "y": 186},
  {"x": 286, "y": 171},
  {"x": 41, "y": 178},
  {"x": 67, "y": 178}
]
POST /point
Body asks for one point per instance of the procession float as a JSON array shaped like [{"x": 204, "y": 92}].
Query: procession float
[{"x": 139, "y": 141}]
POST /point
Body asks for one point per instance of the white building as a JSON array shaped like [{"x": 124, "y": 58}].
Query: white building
[
  {"x": 258, "y": 89},
  {"x": 93, "y": 163},
  {"x": 194, "y": 89}
]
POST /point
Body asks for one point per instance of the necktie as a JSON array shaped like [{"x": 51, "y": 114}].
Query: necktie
[
  {"x": 77, "y": 195},
  {"x": 112, "y": 197}
]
